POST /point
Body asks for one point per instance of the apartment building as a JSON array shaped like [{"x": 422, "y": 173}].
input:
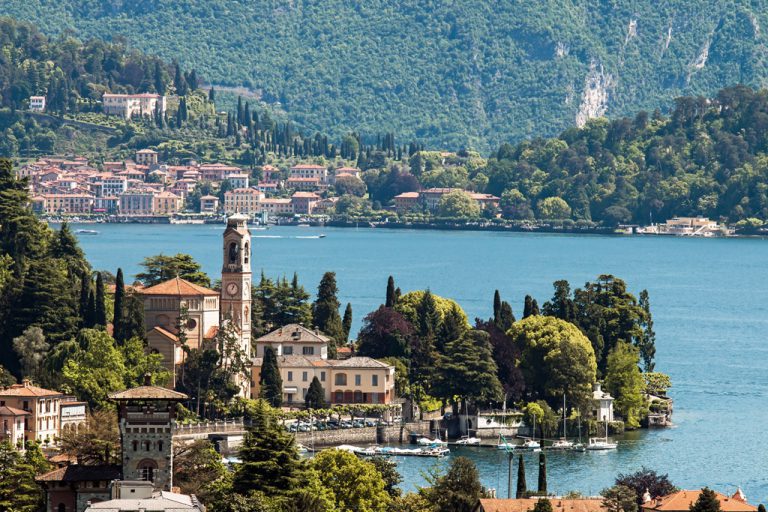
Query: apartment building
[
  {"x": 37, "y": 103},
  {"x": 136, "y": 202},
  {"x": 63, "y": 203},
  {"x": 304, "y": 202},
  {"x": 242, "y": 200},
  {"x": 42, "y": 405},
  {"x": 275, "y": 206},
  {"x": 166, "y": 203}
]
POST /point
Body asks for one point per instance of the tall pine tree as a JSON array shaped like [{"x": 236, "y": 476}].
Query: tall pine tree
[
  {"x": 391, "y": 299},
  {"x": 100, "y": 313}
]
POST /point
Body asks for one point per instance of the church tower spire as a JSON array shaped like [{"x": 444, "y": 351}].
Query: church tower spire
[{"x": 236, "y": 282}]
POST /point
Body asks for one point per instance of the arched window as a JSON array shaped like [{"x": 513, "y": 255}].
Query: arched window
[
  {"x": 61, "y": 508},
  {"x": 147, "y": 445},
  {"x": 135, "y": 446},
  {"x": 339, "y": 397},
  {"x": 159, "y": 446},
  {"x": 340, "y": 379},
  {"x": 358, "y": 397},
  {"x": 247, "y": 251}
]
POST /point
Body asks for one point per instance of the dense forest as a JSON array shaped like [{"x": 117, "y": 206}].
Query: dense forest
[
  {"x": 454, "y": 74},
  {"x": 709, "y": 157}
]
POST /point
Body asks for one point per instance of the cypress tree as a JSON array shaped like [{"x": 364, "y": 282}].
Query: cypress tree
[
  {"x": 506, "y": 317},
  {"x": 535, "y": 307},
  {"x": 522, "y": 489},
  {"x": 85, "y": 290},
  {"x": 100, "y": 311},
  {"x": 391, "y": 298},
  {"x": 270, "y": 382},
  {"x": 325, "y": 311},
  {"x": 212, "y": 95},
  {"x": 542, "y": 474},
  {"x": 118, "y": 315},
  {"x": 496, "y": 307},
  {"x": 528, "y": 306},
  {"x": 90, "y": 321},
  {"x": 133, "y": 319},
  {"x": 346, "y": 323}
]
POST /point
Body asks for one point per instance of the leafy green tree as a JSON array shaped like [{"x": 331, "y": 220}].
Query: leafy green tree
[
  {"x": 542, "y": 505},
  {"x": 95, "y": 443},
  {"x": 657, "y": 383},
  {"x": 270, "y": 383},
  {"x": 646, "y": 480},
  {"x": 32, "y": 349},
  {"x": 198, "y": 470},
  {"x": 118, "y": 316},
  {"x": 6, "y": 378},
  {"x": 625, "y": 382},
  {"x": 160, "y": 268},
  {"x": 388, "y": 471},
  {"x": 139, "y": 362},
  {"x": 506, "y": 356},
  {"x": 18, "y": 490},
  {"x": 458, "y": 490},
  {"x": 556, "y": 359},
  {"x": 356, "y": 485},
  {"x": 95, "y": 369},
  {"x": 133, "y": 318},
  {"x": 270, "y": 461},
  {"x": 315, "y": 398},
  {"x": 561, "y": 305},
  {"x": 554, "y": 208},
  {"x": 385, "y": 333},
  {"x": 346, "y": 322},
  {"x": 522, "y": 486},
  {"x": 325, "y": 311},
  {"x": 467, "y": 370},
  {"x": 458, "y": 204},
  {"x": 706, "y": 502}
]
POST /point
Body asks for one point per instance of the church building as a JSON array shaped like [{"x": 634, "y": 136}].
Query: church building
[{"x": 205, "y": 310}]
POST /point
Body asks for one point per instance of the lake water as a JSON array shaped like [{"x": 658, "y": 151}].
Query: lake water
[{"x": 709, "y": 300}]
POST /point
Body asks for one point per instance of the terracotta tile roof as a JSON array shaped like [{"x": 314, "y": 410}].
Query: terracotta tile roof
[
  {"x": 357, "y": 362},
  {"x": 177, "y": 287},
  {"x": 407, "y": 195},
  {"x": 27, "y": 389},
  {"x": 165, "y": 332},
  {"x": 310, "y": 195},
  {"x": 80, "y": 473},
  {"x": 682, "y": 501},
  {"x": 524, "y": 505},
  {"x": 12, "y": 411},
  {"x": 148, "y": 392},
  {"x": 293, "y": 333},
  {"x": 307, "y": 166}
]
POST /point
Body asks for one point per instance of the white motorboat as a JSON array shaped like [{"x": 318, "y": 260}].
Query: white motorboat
[
  {"x": 87, "y": 232},
  {"x": 529, "y": 444},
  {"x": 468, "y": 441},
  {"x": 425, "y": 441},
  {"x": 506, "y": 445},
  {"x": 561, "y": 444}
]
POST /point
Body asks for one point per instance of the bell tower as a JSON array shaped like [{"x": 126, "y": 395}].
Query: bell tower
[{"x": 236, "y": 281}]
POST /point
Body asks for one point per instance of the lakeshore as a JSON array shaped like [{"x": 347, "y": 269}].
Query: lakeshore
[{"x": 708, "y": 297}]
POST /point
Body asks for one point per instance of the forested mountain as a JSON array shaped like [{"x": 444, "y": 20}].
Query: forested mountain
[
  {"x": 458, "y": 73},
  {"x": 709, "y": 157}
]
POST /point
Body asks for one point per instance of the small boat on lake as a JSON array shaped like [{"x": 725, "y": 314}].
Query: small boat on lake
[
  {"x": 87, "y": 232},
  {"x": 468, "y": 441},
  {"x": 601, "y": 443}
]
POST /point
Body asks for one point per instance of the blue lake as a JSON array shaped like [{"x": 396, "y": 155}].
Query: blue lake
[{"x": 709, "y": 299}]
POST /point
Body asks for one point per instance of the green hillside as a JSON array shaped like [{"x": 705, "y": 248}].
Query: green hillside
[{"x": 450, "y": 73}]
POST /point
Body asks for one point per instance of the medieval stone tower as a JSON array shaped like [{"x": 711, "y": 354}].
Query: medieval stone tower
[
  {"x": 236, "y": 283},
  {"x": 147, "y": 419}
]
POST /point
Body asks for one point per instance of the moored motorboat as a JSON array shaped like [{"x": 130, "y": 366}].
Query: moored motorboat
[
  {"x": 468, "y": 441},
  {"x": 599, "y": 443},
  {"x": 561, "y": 444}
]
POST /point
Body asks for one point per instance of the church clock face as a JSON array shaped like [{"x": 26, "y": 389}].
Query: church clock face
[{"x": 232, "y": 289}]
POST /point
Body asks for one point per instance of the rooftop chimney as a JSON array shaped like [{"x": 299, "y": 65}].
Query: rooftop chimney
[{"x": 147, "y": 379}]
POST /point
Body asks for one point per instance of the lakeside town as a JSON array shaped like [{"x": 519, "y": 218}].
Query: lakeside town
[{"x": 177, "y": 386}]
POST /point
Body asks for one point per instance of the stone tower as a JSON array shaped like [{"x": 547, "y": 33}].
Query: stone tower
[
  {"x": 236, "y": 283},
  {"x": 147, "y": 420}
]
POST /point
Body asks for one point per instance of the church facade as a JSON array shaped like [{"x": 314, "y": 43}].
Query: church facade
[{"x": 204, "y": 310}]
